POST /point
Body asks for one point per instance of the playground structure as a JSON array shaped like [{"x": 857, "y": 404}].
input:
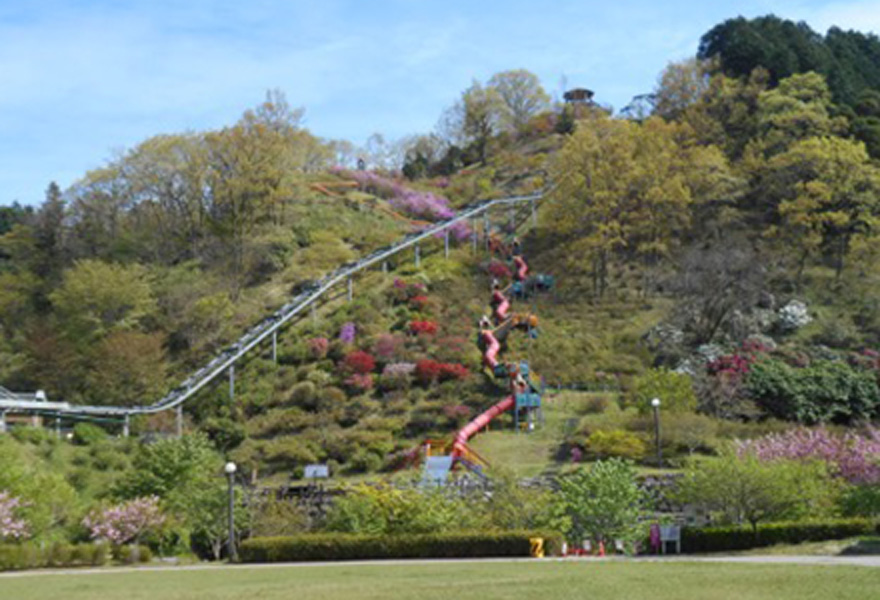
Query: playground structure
[
  {"x": 338, "y": 283},
  {"x": 525, "y": 389}
]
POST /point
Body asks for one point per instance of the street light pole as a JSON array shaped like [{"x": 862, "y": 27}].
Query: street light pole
[
  {"x": 230, "y": 469},
  {"x": 656, "y": 404}
]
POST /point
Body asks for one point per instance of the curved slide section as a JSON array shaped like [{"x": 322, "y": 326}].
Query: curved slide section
[
  {"x": 493, "y": 347},
  {"x": 459, "y": 445},
  {"x": 522, "y": 269},
  {"x": 501, "y": 306}
]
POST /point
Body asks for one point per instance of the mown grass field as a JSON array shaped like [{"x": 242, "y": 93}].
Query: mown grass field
[{"x": 462, "y": 581}]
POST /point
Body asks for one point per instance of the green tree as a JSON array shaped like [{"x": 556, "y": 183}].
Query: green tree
[
  {"x": 96, "y": 297},
  {"x": 799, "y": 108},
  {"x": 603, "y": 503},
  {"x": 172, "y": 469},
  {"x": 681, "y": 85},
  {"x": 745, "y": 489},
  {"x": 522, "y": 97},
  {"x": 627, "y": 188},
  {"x": 128, "y": 368},
  {"x": 675, "y": 391},
  {"x": 828, "y": 197},
  {"x": 51, "y": 505},
  {"x": 389, "y": 510},
  {"x": 475, "y": 118}
]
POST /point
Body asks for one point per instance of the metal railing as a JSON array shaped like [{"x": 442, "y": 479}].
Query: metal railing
[{"x": 225, "y": 361}]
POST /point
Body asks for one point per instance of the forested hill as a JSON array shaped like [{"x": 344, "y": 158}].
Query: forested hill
[{"x": 716, "y": 240}]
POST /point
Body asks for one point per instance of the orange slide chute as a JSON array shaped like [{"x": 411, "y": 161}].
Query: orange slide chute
[{"x": 459, "y": 445}]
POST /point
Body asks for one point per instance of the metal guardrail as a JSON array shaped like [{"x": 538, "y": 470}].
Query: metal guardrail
[{"x": 265, "y": 328}]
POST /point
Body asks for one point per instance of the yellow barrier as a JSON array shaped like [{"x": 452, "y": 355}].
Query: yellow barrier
[{"x": 536, "y": 547}]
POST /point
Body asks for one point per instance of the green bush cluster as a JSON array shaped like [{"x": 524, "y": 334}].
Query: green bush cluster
[
  {"x": 15, "y": 557},
  {"x": 824, "y": 391},
  {"x": 129, "y": 554},
  {"x": 722, "y": 539},
  {"x": 343, "y": 546}
]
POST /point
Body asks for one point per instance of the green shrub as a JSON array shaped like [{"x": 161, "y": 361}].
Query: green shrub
[
  {"x": 675, "y": 391},
  {"x": 722, "y": 539},
  {"x": 129, "y": 554},
  {"x": 596, "y": 405},
  {"x": 824, "y": 391},
  {"x": 624, "y": 444},
  {"x": 86, "y": 434},
  {"x": 861, "y": 501},
  {"x": 31, "y": 556},
  {"x": 59, "y": 555},
  {"x": 341, "y": 546},
  {"x": 303, "y": 395}
]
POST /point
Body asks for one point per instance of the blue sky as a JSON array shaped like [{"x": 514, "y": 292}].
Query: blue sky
[{"x": 80, "y": 81}]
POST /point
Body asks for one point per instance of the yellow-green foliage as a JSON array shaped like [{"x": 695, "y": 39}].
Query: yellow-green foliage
[
  {"x": 674, "y": 390},
  {"x": 623, "y": 444}
]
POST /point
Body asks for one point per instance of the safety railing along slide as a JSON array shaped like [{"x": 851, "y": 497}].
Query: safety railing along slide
[{"x": 267, "y": 330}]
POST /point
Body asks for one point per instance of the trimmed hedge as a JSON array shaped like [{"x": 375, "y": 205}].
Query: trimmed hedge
[
  {"x": 15, "y": 557},
  {"x": 346, "y": 546},
  {"x": 719, "y": 539}
]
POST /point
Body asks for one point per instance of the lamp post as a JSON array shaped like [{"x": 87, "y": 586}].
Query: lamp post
[
  {"x": 230, "y": 469},
  {"x": 655, "y": 403}
]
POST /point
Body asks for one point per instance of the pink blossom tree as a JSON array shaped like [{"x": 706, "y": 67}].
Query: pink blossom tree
[
  {"x": 125, "y": 522},
  {"x": 12, "y": 527},
  {"x": 853, "y": 456}
]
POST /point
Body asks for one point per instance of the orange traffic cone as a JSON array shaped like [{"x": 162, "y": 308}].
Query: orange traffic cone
[{"x": 601, "y": 548}]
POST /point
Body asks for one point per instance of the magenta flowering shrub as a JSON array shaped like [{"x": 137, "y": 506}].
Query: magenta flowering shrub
[
  {"x": 347, "y": 333},
  {"x": 12, "y": 527},
  {"x": 426, "y": 206},
  {"x": 852, "y": 456},
  {"x": 318, "y": 347},
  {"x": 388, "y": 347},
  {"x": 732, "y": 366},
  {"x": 125, "y": 522}
]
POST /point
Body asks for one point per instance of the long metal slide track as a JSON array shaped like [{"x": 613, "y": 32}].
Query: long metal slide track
[{"x": 29, "y": 404}]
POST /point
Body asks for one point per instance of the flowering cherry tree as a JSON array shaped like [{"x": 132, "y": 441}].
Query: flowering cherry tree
[
  {"x": 853, "y": 456},
  {"x": 12, "y": 527},
  {"x": 125, "y": 522}
]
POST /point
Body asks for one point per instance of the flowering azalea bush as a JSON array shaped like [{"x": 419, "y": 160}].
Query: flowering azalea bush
[
  {"x": 397, "y": 375},
  {"x": 428, "y": 371},
  {"x": 401, "y": 292},
  {"x": 452, "y": 372},
  {"x": 730, "y": 365},
  {"x": 423, "y": 327},
  {"x": 499, "y": 270},
  {"x": 419, "y": 302},
  {"x": 347, "y": 333},
  {"x": 852, "y": 456},
  {"x": 12, "y": 527},
  {"x": 359, "y": 362},
  {"x": 413, "y": 203},
  {"x": 125, "y": 522},
  {"x": 387, "y": 347},
  {"x": 318, "y": 347},
  {"x": 360, "y": 382}
]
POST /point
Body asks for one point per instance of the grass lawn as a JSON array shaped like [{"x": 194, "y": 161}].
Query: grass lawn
[{"x": 463, "y": 581}]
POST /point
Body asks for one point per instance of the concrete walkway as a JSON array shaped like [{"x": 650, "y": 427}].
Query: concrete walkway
[{"x": 859, "y": 561}]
